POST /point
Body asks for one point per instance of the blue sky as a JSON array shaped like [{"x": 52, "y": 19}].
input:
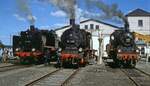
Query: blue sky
[{"x": 47, "y": 16}]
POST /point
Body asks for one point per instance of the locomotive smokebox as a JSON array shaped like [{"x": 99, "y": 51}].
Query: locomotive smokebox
[{"x": 72, "y": 22}]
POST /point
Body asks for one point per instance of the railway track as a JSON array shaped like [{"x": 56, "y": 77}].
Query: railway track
[
  {"x": 59, "y": 77},
  {"x": 137, "y": 76},
  {"x": 143, "y": 72},
  {"x": 12, "y": 67},
  {"x": 69, "y": 78}
]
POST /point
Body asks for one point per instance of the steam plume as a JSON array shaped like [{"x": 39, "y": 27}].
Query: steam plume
[
  {"x": 25, "y": 11},
  {"x": 110, "y": 11},
  {"x": 68, "y": 6}
]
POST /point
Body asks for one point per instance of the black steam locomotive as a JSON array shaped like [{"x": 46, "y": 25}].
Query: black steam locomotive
[
  {"x": 31, "y": 45},
  {"x": 74, "y": 44},
  {"x": 122, "y": 48}
]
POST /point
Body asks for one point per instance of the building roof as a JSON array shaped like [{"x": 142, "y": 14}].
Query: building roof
[
  {"x": 138, "y": 12},
  {"x": 87, "y": 21},
  {"x": 99, "y": 22},
  {"x": 62, "y": 27}
]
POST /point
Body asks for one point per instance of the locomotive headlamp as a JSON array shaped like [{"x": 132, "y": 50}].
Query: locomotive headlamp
[
  {"x": 137, "y": 51},
  {"x": 33, "y": 49},
  {"x": 59, "y": 49},
  {"x": 80, "y": 49},
  {"x": 129, "y": 35},
  {"x": 112, "y": 37},
  {"x": 17, "y": 49},
  {"x": 70, "y": 35},
  {"x": 67, "y": 41},
  {"x": 119, "y": 50}
]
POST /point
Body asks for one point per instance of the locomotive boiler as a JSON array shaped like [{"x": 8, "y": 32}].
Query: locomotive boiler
[
  {"x": 122, "y": 48},
  {"x": 74, "y": 44},
  {"x": 30, "y": 45}
]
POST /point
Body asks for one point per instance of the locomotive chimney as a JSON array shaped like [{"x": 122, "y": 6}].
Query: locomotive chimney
[
  {"x": 31, "y": 26},
  {"x": 72, "y": 22},
  {"x": 126, "y": 24}
]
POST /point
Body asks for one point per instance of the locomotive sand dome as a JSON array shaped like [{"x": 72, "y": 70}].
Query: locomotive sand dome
[
  {"x": 122, "y": 48},
  {"x": 74, "y": 44},
  {"x": 30, "y": 45}
]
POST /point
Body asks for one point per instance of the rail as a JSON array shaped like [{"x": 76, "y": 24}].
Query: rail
[
  {"x": 70, "y": 77},
  {"x": 41, "y": 78},
  {"x": 136, "y": 75}
]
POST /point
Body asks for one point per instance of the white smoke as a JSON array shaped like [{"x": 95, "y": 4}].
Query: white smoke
[
  {"x": 24, "y": 10},
  {"x": 68, "y": 6},
  {"x": 110, "y": 11}
]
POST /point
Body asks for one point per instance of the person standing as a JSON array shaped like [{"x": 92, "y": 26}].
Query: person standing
[{"x": 5, "y": 55}]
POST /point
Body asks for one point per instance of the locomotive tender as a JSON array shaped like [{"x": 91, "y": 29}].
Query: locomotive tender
[
  {"x": 31, "y": 44},
  {"x": 74, "y": 44},
  {"x": 122, "y": 48}
]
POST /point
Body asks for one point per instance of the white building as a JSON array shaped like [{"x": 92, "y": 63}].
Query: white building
[
  {"x": 139, "y": 21},
  {"x": 98, "y": 29}
]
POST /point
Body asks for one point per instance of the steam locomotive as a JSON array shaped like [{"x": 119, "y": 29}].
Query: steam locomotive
[
  {"x": 74, "y": 44},
  {"x": 122, "y": 48},
  {"x": 31, "y": 45}
]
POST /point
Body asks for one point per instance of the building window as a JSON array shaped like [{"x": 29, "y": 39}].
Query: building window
[
  {"x": 97, "y": 27},
  {"x": 91, "y": 26},
  {"x": 86, "y": 26},
  {"x": 140, "y": 23}
]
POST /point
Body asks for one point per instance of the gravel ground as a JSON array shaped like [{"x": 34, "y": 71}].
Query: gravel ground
[
  {"x": 5, "y": 64},
  {"x": 144, "y": 66},
  {"x": 92, "y": 75},
  {"x": 99, "y": 75},
  {"x": 23, "y": 76}
]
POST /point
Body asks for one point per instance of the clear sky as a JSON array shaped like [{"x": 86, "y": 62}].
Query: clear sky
[{"x": 47, "y": 16}]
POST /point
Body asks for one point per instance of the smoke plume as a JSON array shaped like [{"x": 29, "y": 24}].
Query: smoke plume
[
  {"x": 68, "y": 6},
  {"x": 24, "y": 10},
  {"x": 110, "y": 11}
]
